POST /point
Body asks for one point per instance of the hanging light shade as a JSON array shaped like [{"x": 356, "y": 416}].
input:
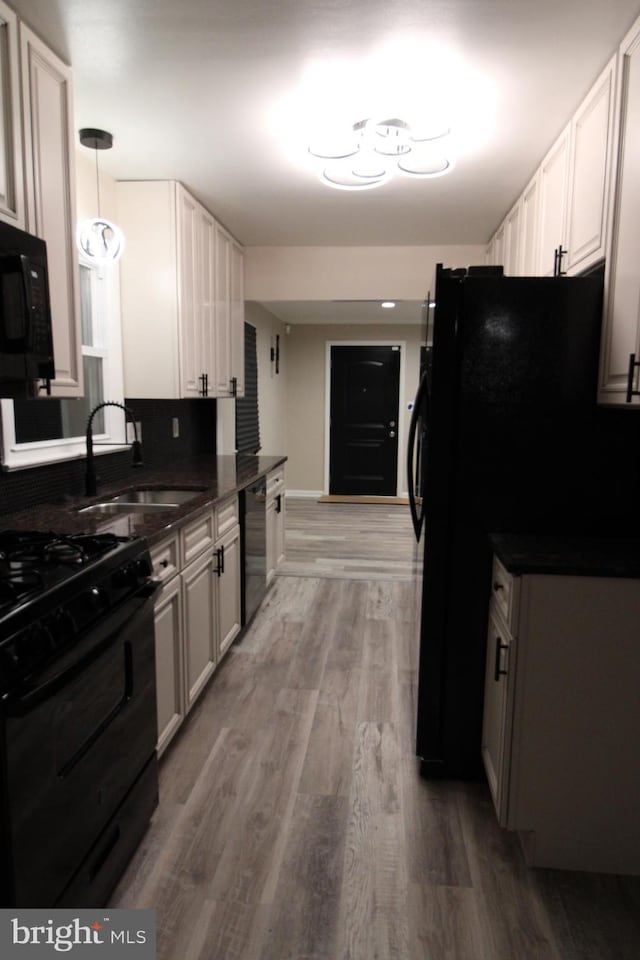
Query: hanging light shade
[{"x": 98, "y": 239}]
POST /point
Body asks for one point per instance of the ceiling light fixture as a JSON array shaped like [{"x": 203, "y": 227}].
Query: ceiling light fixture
[
  {"x": 368, "y": 153},
  {"x": 100, "y": 240}
]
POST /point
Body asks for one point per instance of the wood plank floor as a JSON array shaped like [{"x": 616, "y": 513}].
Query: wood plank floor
[
  {"x": 293, "y": 822},
  {"x": 357, "y": 540}
]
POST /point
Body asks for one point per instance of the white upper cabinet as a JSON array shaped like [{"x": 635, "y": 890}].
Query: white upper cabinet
[
  {"x": 561, "y": 222},
  {"x": 236, "y": 284},
  {"x": 554, "y": 183},
  {"x": 592, "y": 136},
  {"x": 621, "y": 334},
  {"x": 512, "y": 240},
  {"x": 50, "y": 189},
  {"x": 176, "y": 294},
  {"x": 12, "y": 206},
  {"x": 529, "y": 228},
  {"x": 498, "y": 246},
  {"x": 229, "y": 315},
  {"x": 223, "y": 313}
]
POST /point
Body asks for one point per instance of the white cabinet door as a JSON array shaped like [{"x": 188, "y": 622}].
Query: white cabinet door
[
  {"x": 51, "y": 206},
  {"x": 512, "y": 241},
  {"x": 192, "y": 367},
  {"x": 621, "y": 335},
  {"x": 529, "y": 228},
  {"x": 489, "y": 255},
  {"x": 199, "y": 624},
  {"x": 236, "y": 269},
  {"x": 205, "y": 292},
  {"x": 12, "y": 201},
  {"x": 496, "y": 730},
  {"x": 223, "y": 386},
  {"x": 169, "y": 666},
  {"x": 554, "y": 180},
  {"x": 499, "y": 247},
  {"x": 592, "y": 132},
  {"x": 228, "y": 589}
]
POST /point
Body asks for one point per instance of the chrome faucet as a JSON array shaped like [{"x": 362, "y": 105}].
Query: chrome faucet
[{"x": 90, "y": 487}]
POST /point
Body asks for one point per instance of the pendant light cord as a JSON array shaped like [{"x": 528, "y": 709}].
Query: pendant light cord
[{"x": 97, "y": 182}]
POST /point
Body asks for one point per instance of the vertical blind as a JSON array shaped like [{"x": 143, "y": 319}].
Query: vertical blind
[{"x": 247, "y": 414}]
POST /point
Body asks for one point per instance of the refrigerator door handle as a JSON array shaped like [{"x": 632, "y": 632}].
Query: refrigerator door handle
[{"x": 411, "y": 444}]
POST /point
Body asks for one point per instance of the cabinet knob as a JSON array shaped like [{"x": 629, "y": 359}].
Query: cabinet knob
[{"x": 497, "y": 585}]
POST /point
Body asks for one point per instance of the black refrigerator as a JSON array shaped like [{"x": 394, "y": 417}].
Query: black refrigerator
[{"x": 502, "y": 440}]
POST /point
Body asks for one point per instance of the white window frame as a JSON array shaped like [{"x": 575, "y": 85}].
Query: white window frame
[{"x": 21, "y": 456}]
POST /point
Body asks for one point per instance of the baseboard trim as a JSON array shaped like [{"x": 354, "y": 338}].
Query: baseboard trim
[{"x": 305, "y": 494}]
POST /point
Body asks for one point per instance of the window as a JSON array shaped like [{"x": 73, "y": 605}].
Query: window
[{"x": 45, "y": 430}]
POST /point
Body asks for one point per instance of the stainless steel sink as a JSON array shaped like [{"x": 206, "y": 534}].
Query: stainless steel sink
[
  {"x": 166, "y": 496},
  {"x": 127, "y": 507}
]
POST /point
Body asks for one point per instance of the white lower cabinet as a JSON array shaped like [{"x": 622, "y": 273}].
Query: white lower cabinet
[
  {"x": 560, "y": 744},
  {"x": 197, "y": 614},
  {"x": 169, "y": 668},
  {"x": 228, "y": 588},
  {"x": 199, "y": 624},
  {"x": 275, "y": 516}
]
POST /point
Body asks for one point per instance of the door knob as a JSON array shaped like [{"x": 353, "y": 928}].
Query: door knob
[{"x": 392, "y": 433}]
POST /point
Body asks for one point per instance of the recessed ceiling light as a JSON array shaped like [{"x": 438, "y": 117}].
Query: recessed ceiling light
[{"x": 388, "y": 304}]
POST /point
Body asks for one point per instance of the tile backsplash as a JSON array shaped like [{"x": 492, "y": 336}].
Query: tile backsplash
[{"x": 22, "y": 489}]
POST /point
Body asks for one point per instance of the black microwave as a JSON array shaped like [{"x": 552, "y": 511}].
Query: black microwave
[{"x": 26, "y": 338}]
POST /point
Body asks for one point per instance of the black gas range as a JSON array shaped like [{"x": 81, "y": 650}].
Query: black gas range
[{"x": 78, "y": 774}]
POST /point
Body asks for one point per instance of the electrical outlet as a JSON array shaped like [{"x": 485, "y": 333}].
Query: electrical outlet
[{"x": 175, "y": 427}]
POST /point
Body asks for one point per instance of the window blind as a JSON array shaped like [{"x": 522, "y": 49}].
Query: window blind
[{"x": 247, "y": 413}]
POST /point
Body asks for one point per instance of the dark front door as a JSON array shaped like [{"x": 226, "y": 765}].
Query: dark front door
[{"x": 364, "y": 420}]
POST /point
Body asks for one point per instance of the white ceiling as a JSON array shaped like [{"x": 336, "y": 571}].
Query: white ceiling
[{"x": 187, "y": 88}]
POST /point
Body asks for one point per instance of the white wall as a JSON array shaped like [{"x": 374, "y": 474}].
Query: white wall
[
  {"x": 306, "y": 394},
  {"x": 349, "y": 273}
]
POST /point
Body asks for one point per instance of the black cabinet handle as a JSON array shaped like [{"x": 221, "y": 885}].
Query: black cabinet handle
[
  {"x": 497, "y": 671},
  {"x": 558, "y": 254},
  {"x": 279, "y": 503},
  {"x": 204, "y": 380},
  {"x": 633, "y": 363},
  {"x": 234, "y": 386},
  {"x": 498, "y": 586},
  {"x": 220, "y": 561}
]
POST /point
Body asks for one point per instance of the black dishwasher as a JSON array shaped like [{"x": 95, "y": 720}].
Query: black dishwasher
[{"x": 253, "y": 525}]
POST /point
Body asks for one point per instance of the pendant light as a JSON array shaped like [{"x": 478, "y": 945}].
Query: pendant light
[{"x": 98, "y": 239}]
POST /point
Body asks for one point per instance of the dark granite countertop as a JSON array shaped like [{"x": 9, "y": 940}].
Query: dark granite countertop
[
  {"x": 568, "y": 555},
  {"x": 212, "y": 479}
]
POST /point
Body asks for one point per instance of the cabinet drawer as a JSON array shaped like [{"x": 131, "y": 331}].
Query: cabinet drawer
[
  {"x": 226, "y": 516},
  {"x": 275, "y": 482},
  {"x": 197, "y": 536},
  {"x": 504, "y": 593},
  {"x": 165, "y": 560}
]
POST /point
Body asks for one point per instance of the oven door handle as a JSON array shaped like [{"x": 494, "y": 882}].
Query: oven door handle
[{"x": 28, "y": 696}]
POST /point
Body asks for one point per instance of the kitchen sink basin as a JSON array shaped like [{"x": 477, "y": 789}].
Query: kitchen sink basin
[
  {"x": 127, "y": 507},
  {"x": 165, "y": 497}
]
